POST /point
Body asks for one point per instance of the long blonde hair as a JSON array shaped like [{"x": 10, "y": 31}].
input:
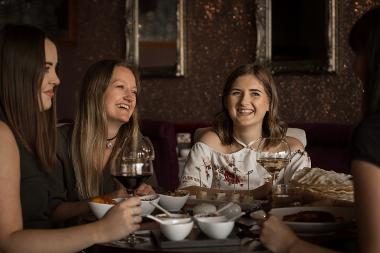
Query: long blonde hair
[{"x": 90, "y": 128}]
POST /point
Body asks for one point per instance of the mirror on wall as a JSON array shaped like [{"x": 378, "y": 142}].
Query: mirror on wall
[
  {"x": 155, "y": 37},
  {"x": 297, "y": 35}
]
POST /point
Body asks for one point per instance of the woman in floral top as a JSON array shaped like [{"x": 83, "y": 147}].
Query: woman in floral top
[{"x": 224, "y": 159}]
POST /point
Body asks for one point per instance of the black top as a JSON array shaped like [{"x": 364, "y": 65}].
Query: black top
[
  {"x": 38, "y": 193},
  {"x": 366, "y": 140},
  {"x": 66, "y": 168}
]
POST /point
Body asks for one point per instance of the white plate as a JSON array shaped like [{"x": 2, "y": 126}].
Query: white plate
[{"x": 347, "y": 213}]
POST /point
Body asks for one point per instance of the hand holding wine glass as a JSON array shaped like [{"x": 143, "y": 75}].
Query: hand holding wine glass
[{"x": 134, "y": 168}]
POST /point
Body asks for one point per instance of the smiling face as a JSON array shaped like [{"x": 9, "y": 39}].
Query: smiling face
[
  {"x": 247, "y": 101},
  {"x": 50, "y": 79},
  {"x": 120, "y": 96}
]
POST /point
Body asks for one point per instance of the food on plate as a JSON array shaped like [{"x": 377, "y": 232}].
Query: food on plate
[
  {"x": 248, "y": 198},
  {"x": 201, "y": 195},
  {"x": 235, "y": 197},
  {"x": 221, "y": 196},
  {"x": 103, "y": 200},
  {"x": 149, "y": 197},
  {"x": 205, "y": 208},
  {"x": 311, "y": 216}
]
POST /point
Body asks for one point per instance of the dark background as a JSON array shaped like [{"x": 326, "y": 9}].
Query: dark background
[{"x": 220, "y": 35}]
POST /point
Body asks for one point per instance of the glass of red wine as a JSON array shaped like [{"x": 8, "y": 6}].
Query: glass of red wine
[{"x": 135, "y": 168}]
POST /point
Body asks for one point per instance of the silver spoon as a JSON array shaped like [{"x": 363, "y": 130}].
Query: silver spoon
[
  {"x": 224, "y": 208},
  {"x": 236, "y": 216},
  {"x": 165, "y": 222},
  {"x": 163, "y": 209}
]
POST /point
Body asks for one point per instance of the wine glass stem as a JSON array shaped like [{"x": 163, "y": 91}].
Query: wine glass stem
[{"x": 274, "y": 179}]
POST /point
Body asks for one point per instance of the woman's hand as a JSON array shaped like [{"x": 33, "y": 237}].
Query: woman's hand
[
  {"x": 277, "y": 236},
  {"x": 144, "y": 189},
  {"x": 121, "y": 220}
]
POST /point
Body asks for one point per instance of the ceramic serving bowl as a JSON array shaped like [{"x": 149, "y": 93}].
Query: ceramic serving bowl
[
  {"x": 146, "y": 207},
  {"x": 176, "y": 231},
  {"x": 216, "y": 229},
  {"x": 100, "y": 209},
  {"x": 177, "y": 217},
  {"x": 174, "y": 201},
  {"x": 207, "y": 217}
]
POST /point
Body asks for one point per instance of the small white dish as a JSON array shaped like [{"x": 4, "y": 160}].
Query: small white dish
[
  {"x": 174, "y": 203},
  {"x": 146, "y": 207},
  {"x": 178, "y": 231},
  {"x": 216, "y": 229}
]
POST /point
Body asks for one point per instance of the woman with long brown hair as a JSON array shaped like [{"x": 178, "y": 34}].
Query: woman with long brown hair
[
  {"x": 28, "y": 82},
  {"x": 228, "y": 150}
]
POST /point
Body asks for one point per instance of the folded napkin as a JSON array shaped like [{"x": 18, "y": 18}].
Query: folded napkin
[{"x": 322, "y": 184}]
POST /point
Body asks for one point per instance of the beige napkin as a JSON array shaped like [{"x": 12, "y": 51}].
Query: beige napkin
[{"x": 321, "y": 184}]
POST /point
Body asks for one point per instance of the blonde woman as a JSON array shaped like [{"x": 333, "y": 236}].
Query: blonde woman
[{"x": 107, "y": 118}]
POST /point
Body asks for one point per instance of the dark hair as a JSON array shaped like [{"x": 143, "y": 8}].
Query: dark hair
[
  {"x": 273, "y": 126},
  {"x": 365, "y": 39},
  {"x": 90, "y": 128},
  {"x": 22, "y": 66}
]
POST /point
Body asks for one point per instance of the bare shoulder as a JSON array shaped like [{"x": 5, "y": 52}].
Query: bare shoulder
[
  {"x": 211, "y": 139},
  {"x": 8, "y": 145},
  {"x": 294, "y": 143},
  {"x": 6, "y": 135}
]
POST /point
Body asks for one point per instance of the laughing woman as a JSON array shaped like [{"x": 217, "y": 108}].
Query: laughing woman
[
  {"x": 106, "y": 118},
  {"x": 28, "y": 81},
  {"x": 250, "y": 111}
]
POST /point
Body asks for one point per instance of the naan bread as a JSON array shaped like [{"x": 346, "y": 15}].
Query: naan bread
[{"x": 321, "y": 184}]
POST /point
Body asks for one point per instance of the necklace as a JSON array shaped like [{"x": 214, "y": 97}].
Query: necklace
[
  {"x": 245, "y": 145},
  {"x": 109, "y": 143}
]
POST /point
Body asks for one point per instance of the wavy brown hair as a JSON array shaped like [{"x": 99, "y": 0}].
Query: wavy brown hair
[
  {"x": 273, "y": 126},
  {"x": 365, "y": 39},
  {"x": 22, "y": 68},
  {"x": 90, "y": 128}
]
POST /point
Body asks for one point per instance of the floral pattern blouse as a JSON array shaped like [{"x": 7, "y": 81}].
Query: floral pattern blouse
[{"x": 209, "y": 168}]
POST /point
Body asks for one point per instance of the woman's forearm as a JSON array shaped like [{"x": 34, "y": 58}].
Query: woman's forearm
[{"x": 68, "y": 210}]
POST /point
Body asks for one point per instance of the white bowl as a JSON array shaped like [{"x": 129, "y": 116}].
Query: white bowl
[
  {"x": 100, "y": 209},
  {"x": 146, "y": 207},
  {"x": 174, "y": 203},
  {"x": 177, "y": 217},
  {"x": 206, "y": 217},
  {"x": 178, "y": 231},
  {"x": 216, "y": 229}
]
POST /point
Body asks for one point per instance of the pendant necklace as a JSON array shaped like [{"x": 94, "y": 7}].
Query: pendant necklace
[{"x": 109, "y": 143}]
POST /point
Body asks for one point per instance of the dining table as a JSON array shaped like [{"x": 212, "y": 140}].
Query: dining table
[
  {"x": 149, "y": 232},
  {"x": 342, "y": 240}
]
